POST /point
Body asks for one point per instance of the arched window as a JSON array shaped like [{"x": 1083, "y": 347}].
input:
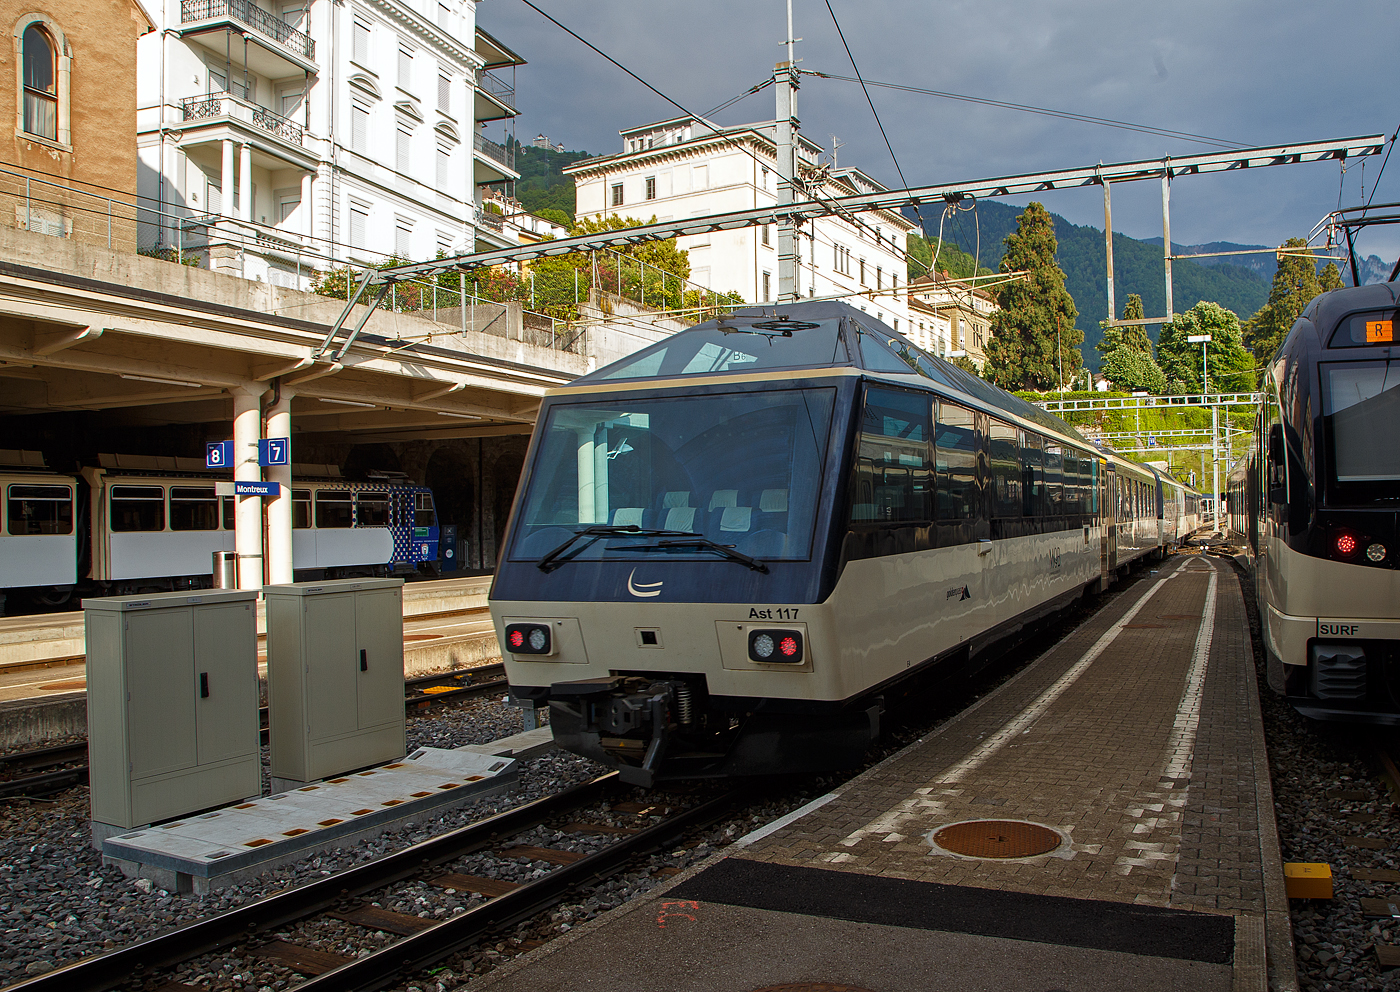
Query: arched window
[{"x": 40, "y": 84}]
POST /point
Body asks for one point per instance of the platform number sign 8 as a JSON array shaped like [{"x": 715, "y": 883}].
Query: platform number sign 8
[{"x": 218, "y": 454}]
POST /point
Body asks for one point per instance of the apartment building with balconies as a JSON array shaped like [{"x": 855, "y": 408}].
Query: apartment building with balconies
[
  {"x": 688, "y": 167},
  {"x": 951, "y": 317},
  {"x": 281, "y": 137}
]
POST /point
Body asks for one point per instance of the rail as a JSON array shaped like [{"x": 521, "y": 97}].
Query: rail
[
  {"x": 1206, "y": 400},
  {"x": 503, "y": 154},
  {"x": 499, "y": 90},
  {"x": 229, "y": 107},
  {"x": 253, "y": 16}
]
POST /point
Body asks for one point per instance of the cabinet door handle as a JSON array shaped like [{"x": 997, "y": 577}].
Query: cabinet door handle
[
  {"x": 203, "y": 685},
  {"x": 364, "y": 660}
]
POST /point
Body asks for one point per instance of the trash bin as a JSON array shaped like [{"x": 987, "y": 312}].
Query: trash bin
[{"x": 225, "y": 570}]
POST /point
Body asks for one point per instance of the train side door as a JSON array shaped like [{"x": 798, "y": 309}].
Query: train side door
[{"x": 1108, "y": 503}]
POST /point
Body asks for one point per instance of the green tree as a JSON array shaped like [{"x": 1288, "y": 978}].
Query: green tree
[
  {"x": 1128, "y": 368},
  {"x": 919, "y": 254},
  {"x": 1331, "y": 278},
  {"x": 557, "y": 216},
  {"x": 1295, "y": 284},
  {"x": 1135, "y": 336},
  {"x": 1230, "y": 363},
  {"x": 1034, "y": 312}
]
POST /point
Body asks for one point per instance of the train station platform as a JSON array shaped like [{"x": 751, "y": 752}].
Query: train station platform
[
  {"x": 43, "y": 670},
  {"x": 1102, "y": 821}
]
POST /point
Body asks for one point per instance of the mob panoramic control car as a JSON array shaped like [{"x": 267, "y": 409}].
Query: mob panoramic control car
[{"x": 727, "y": 548}]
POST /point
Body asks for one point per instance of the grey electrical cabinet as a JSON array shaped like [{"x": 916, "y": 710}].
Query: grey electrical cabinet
[
  {"x": 172, "y": 702},
  {"x": 334, "y": 677}
]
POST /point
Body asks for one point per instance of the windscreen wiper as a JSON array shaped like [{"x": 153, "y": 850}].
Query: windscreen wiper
[
  {"x": 695, "y": 542},
  {"x": 558, "y": 557}
]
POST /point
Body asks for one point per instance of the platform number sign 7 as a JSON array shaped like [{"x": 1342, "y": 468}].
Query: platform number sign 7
[
  {"x": 274, "y": 451},
  {"x": 218, "y": 454}
]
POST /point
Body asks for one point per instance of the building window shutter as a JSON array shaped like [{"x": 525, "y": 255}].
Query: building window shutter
[
  {"x": 444, "y": 161},
  {"x": 445, "y": 94},
  {"x": 617, "y": 194},
  {"x": 403, "y": 238},
  {"x": 405, "y": 69},
  {"x": 359, "y": 225},
  {"x": 359, "y": 127},
  {"x": 402, "y": 149},
  {"x": 361, "y": 42}
]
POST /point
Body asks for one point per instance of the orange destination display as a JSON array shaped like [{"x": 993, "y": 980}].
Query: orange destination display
[{"x": 1379, "y": 331}]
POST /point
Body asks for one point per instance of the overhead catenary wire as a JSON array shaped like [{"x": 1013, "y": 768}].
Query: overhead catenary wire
[
  {"x": 727, "y": 139},
  {"x": 1029, "y": 109},
  {"x": 878, "y": 123}
]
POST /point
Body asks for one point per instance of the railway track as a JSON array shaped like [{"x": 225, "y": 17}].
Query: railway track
[
  {"x": 422, "y": 943},
  {"x": 44, "y": 771}
]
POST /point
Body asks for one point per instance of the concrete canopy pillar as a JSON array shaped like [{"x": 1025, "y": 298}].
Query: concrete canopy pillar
[
  {"x": 247, "y": 535},
  {"x": 245, "y": 182},
  {"x": 279, "y": 507},
  {"x": 226, "y": 181}
]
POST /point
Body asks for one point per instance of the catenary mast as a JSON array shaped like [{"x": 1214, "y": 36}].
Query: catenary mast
[{"x": 785, "y": 83}]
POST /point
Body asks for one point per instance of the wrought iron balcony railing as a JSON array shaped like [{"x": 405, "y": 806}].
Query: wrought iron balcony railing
[
  {"x": 504, "y": 154},
  {"x": 501, "y": 90},
  {"x": 250, "y": 14},
  {"x": 227, "y": 105}
]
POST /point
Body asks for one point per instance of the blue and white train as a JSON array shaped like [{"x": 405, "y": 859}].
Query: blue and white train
[{"x": 134, "y": 524}]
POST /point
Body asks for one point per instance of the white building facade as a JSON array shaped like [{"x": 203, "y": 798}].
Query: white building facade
[
  {"x": 278, "y": 138},
  {"x": 951, "y": 317},
  {"x": 686, "y": 167}
]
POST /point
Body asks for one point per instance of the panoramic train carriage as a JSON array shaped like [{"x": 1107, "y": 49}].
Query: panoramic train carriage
[
  {"x": 727, "y": 546},
  {"x": 139, "y": 523},
  {"x": 1317, "y": 501}
]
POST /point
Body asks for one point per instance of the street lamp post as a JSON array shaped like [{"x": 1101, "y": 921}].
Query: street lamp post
[{"x": 1204, "y": 341}]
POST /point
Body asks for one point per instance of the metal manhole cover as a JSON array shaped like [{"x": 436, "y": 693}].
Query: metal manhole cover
[
  {"x": 997, "y": 839},
  {"x": 812, "y": 987},
  {"x": 1144, "y": 626}
]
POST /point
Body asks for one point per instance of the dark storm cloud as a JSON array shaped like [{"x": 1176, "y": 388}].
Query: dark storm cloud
[{"x": 1248, "y": 72}]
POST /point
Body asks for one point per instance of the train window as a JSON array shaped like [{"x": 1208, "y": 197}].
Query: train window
[
  {"x": 1033, "y": 476},
  {"x": 335, "y": 508},
  {"x": 137, "y": 508},
  {"x": 742, "y": 468},
  {"x": 1362, "y": 330},
  {"x": 194, "y": 508},
  {"x": 301, "y": 509},
  {"x": 893, "y": 479},
  {"x": 40, "y": 510},
  {"x": 1054, "y": 481},
  {"x": 878, "y": 356},
  {"x": 1006, "y": 470},
  {"x": 1361, "y": 403},
  {"x": 372, "y": 510},
  {"x": 956, "y": 444},
  {"x": 739, "y": 344},
  {"x": 230, "y": 511},
  {"x": 423, "y": 513}
]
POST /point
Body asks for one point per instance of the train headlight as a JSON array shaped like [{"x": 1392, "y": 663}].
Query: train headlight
[
  {"x": 529, "y": 638},
  {"x": 775, "y": 647},
  {"x": 1345, "y": 544},
  {"x": 1376, "y": 553}
]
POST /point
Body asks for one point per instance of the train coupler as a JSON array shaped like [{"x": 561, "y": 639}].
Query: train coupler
[{"x": 625, "y": 722}]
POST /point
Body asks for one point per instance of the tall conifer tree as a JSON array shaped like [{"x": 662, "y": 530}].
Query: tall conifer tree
[
  {"x": 1021, "y": 351},
  {"x": 1295, "y": 284}
]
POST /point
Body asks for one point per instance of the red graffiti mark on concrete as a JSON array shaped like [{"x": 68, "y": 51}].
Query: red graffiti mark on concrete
[{"x": 676, "y": 910}]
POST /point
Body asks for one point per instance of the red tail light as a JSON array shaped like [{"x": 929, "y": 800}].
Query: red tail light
[{"x": 1346, "y": 544}]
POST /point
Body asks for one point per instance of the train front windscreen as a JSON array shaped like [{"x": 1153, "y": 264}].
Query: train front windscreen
[
  {"x": 741, "y": 469},
  {"x": 1361, "y": 412}
]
